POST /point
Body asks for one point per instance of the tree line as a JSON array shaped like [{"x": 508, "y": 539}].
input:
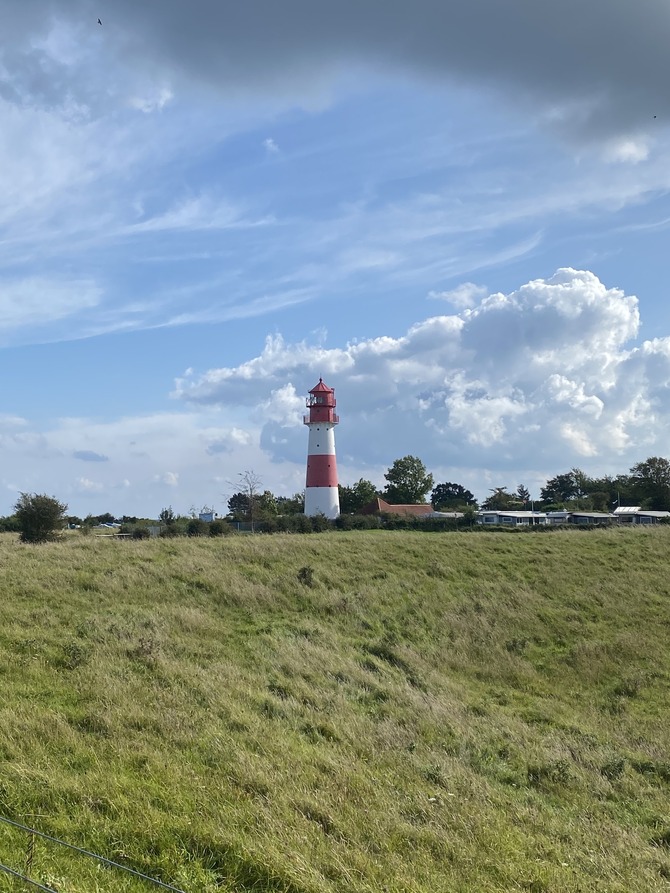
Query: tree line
[
  {"x": 646, "y": 484},
  {"x": 38, "y": 517}
]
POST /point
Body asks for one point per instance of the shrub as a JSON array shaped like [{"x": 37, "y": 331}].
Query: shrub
[
  {"x": 196, "y": 527},
  {"x": 39, "y": 517},
  {"x": 140, "y": 533},
  {"x": 306, "y": 575},
  {"x": 302, "y": 523},
  {"x": 219, "y": 528}
]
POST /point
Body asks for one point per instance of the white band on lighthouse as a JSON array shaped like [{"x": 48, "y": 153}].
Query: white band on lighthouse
[{"x": 321, "y": 490}]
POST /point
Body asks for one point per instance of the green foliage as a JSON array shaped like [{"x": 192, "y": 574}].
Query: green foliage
[
  {"x": 291, "y": 505},
  {"x": 523, "y": 495},
  {"x": 39, "y": 517},
  {"x": 357, "y": 522},
  {"x": 196, "y": 527},
  {"x": 560, "y": 490},
  {"x": 167, "y": 516},
  {"x": 651, "y": 482},
  {"x": 451, "y": 497},
  {"x": 306, "y": 575},
  {"x": 408, "y": 481},
  {"x": 502, "y": 501},
  {"x": 352, "y": 499},
  {"x": 10, "y": 524},
  {"x": 320, "y": 523}
]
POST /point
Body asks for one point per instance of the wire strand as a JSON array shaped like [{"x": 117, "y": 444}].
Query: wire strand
[
  {"x": 24, "y": 878},
  {"x": 71, "y": 846}
]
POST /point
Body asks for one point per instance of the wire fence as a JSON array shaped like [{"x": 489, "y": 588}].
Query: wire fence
[{"x": 24, "y": 876}]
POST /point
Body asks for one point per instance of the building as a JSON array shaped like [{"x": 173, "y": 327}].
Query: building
[
  {"x": 635, "y": 514},
  {"x": 512, "y": 519},
  {"x": 321, "y": 494},
  {"x": 379, "y": 507}
]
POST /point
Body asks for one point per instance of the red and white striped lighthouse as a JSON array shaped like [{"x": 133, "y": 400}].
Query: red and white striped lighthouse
[{"x": 321, "y": 493}]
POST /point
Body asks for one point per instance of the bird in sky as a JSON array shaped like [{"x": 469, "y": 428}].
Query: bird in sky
[{"x": 99, "y": 22}]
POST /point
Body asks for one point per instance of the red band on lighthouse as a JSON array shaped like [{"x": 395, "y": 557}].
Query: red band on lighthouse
[{"x": 321, "y": 471}]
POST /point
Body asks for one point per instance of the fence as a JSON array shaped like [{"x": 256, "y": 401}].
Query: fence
[{"x": 33, "y": 835}]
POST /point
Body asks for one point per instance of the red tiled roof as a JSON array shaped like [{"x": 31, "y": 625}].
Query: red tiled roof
[
  {"x": 379, "y": 506},
  {"x": 320, "y": 388}
]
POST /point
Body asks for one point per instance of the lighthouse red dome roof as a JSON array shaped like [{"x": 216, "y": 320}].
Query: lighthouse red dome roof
[{"x": 321, "y": 388}]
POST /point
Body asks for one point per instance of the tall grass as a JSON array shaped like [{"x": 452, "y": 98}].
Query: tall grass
[{"x": 369, "y": 711}]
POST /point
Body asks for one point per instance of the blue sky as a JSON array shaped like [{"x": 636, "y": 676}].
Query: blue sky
[{"x": 458, "y": 218}]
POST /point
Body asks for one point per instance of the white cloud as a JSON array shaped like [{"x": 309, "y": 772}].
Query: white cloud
[
  {"x": 284, "y": 406},
  {"x": 270, "y": 146},
  {"x": 86, "y": 485},
  {"x": 152, "y": 103},
  {"x": 627, "y": 150},
  {"x": 467, "y": 294},
  {"x": 198, "y": 213},
  {"x": 546, "y": 376},
  {"x": 36, "y": 301}
]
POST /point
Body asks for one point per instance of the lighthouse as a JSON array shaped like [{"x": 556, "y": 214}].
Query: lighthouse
[{"x": 321, "y": 493}]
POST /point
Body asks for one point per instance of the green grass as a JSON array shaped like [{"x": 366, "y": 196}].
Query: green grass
[{"x": 369, "y": 711}]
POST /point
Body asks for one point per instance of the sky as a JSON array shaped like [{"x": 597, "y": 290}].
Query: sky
[{"x": 457, "y": 214}]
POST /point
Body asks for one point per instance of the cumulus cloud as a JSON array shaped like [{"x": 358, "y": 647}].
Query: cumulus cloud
[
  {"x": 544, "y": 377},
  {"x": 464, "y": 295},
  {"x": 228, "y": 442},
  {"x": 271, "y": 146}
]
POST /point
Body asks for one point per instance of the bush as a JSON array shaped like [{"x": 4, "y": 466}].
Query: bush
[
  {"x": 219, "y": 528},
  {"x": 140, "y": 533},
  {"x": 40, "y": 518},
  {"x": 196, "y": 527}
]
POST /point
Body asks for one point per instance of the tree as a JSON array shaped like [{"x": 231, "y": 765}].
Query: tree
[
  {"x": 39, "y": 517},
  {"x": 408, "y": 481},
  {"x": 249, "y": 484},
  {"x": 167, "y": 516},
  {"x": 352, "y": 499},
  {"x": 501, "y": 501},
  {"x": 651, "y": 482},
  {"x": 291, "y": 505},
  {"x": 451, "y": 496},
  {"x": 106, "y": 518},
  {"x": 266, "y": 506},
  {"x": 561, "y": 489},
  {"x": 238, "y": 506},
  {"x": 523, "y": 494}
]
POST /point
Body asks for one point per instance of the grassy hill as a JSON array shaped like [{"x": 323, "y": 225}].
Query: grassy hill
[{"x": 371, "y": 711}]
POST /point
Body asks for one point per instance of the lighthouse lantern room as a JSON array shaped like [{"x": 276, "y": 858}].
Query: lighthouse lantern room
[{"x": 321, "y": 494}]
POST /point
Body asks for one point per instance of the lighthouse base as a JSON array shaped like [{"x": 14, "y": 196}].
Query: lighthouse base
[{"x": 322, "y": 501}]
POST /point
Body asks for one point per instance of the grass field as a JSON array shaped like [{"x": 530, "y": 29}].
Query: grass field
[{"x": 370, "y": 711}]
